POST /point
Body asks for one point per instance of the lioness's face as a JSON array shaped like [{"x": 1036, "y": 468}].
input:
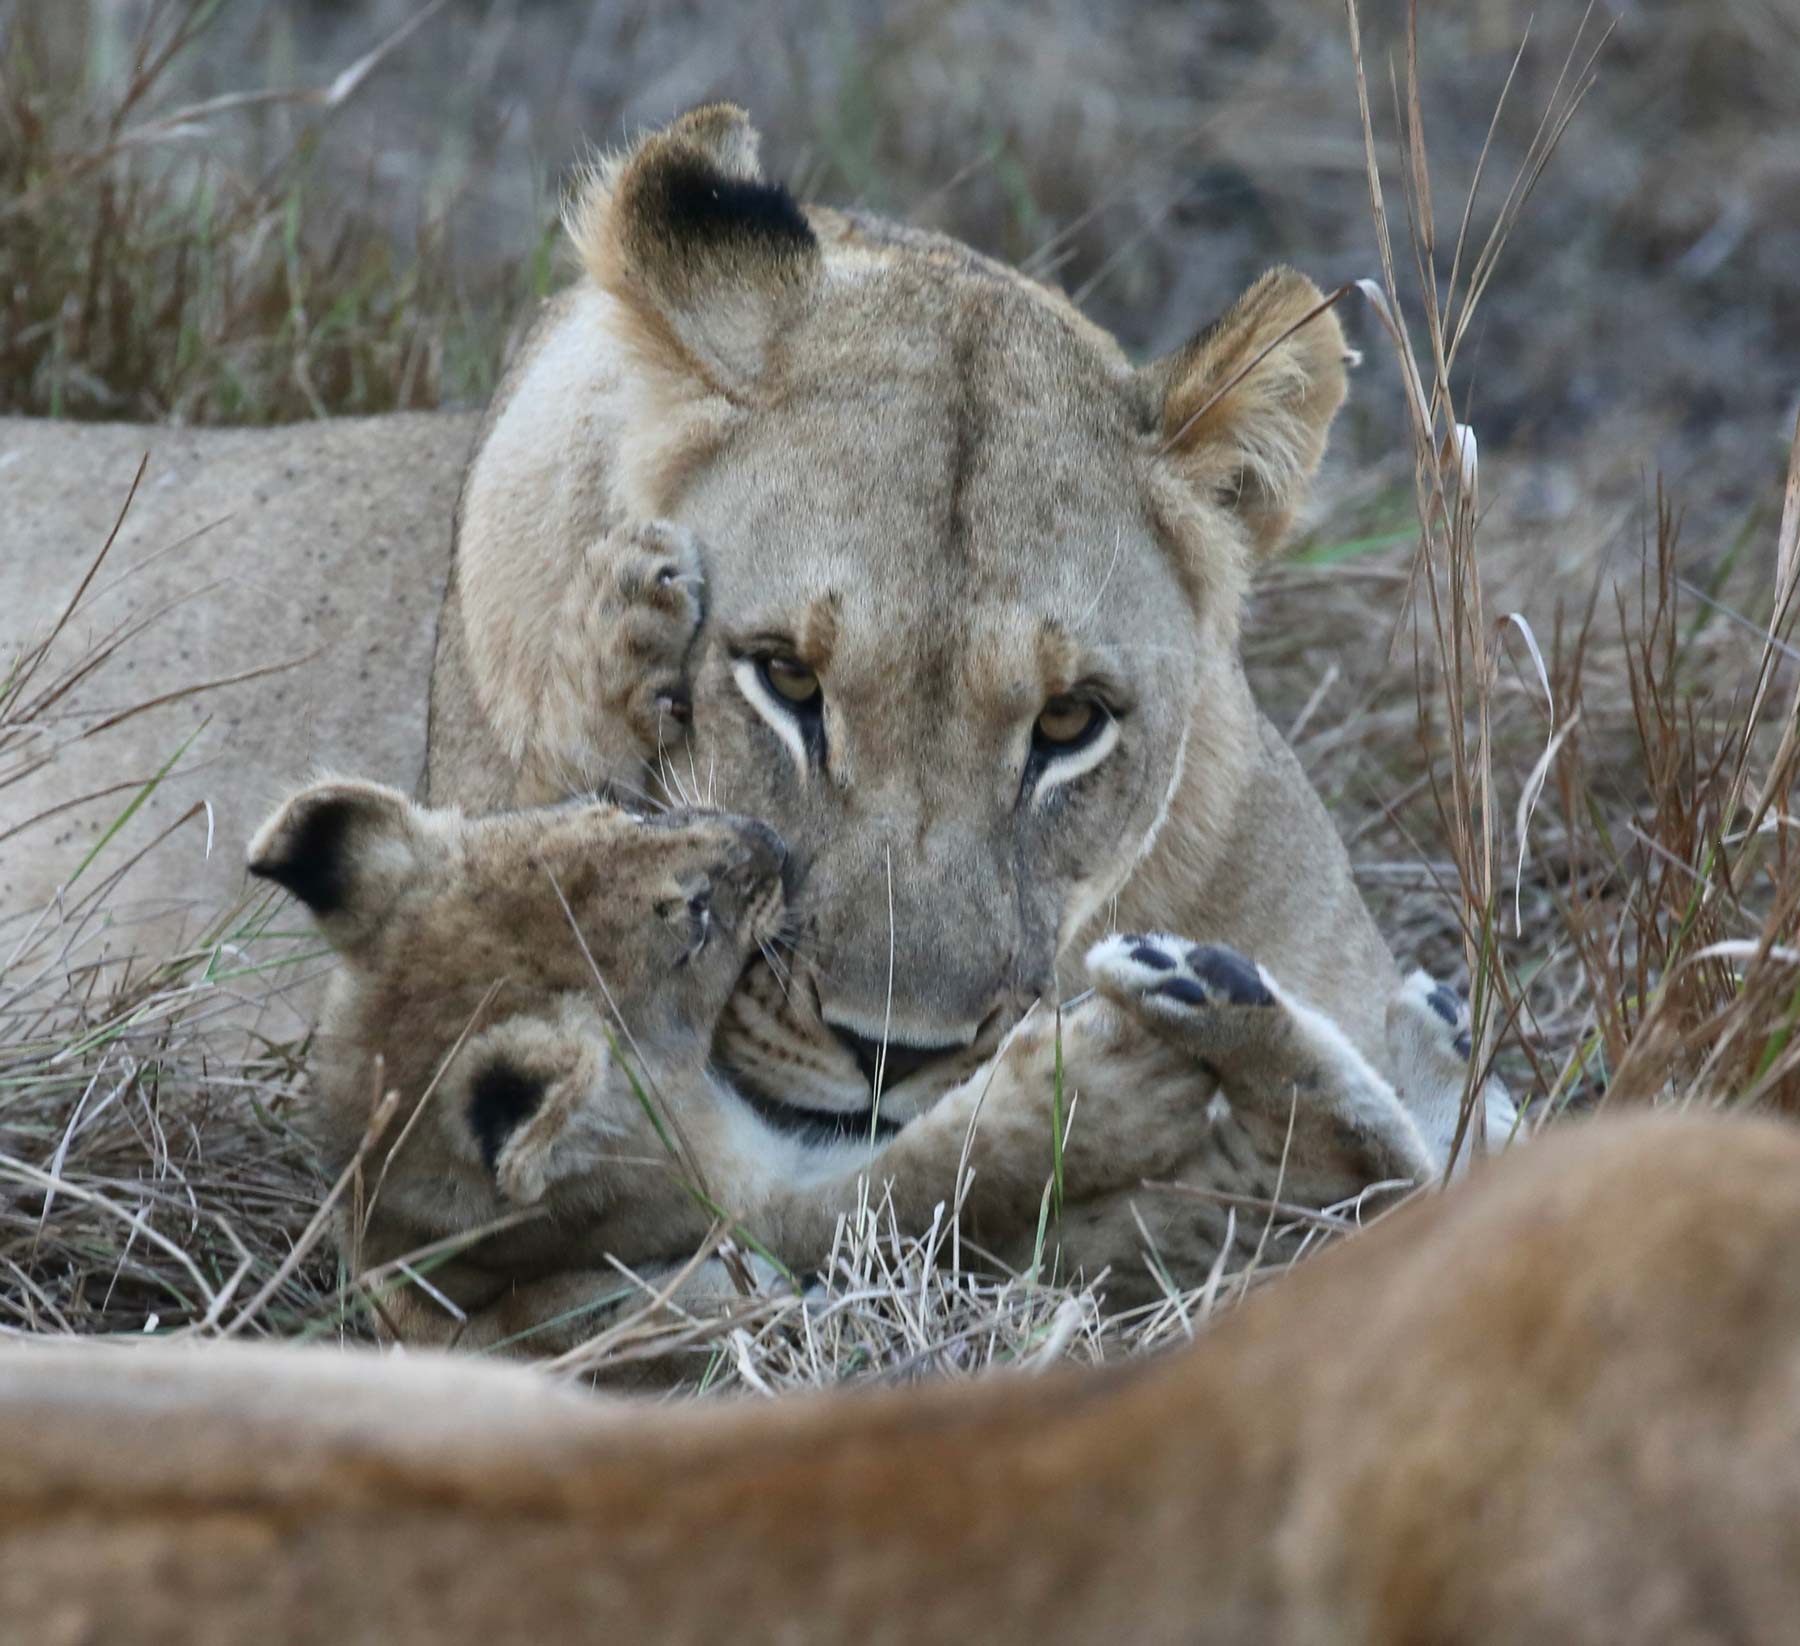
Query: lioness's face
[
  {"x": 950, "y": 659},
  {"x": 973, "y": 583}
]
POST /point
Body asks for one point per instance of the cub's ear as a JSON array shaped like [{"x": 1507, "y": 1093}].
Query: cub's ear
[
  {"x": 708, "y": 262},
  {"x": 344, "y": 849},
  {"x": 1248, "y": 432}
]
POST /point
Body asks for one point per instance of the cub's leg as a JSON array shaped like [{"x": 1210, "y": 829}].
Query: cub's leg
[
  {"x": 615, "y": 703},
  {"x": 1289, "y": 1081},
  {"x": 1428, "y": 1040},
  {"x": 988, "y": 1147},
  {"x": 1286, "y": 1120},
  {"x": 1189, "y": 1066}
]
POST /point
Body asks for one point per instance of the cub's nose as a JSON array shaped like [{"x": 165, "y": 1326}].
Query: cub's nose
[{"x": 900, "y": 1061}]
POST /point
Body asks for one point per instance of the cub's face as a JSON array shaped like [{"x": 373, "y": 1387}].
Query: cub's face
[{"x": 493, "y": 956}]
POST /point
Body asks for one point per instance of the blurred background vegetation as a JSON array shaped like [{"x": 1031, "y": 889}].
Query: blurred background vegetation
[{"x": 226, "y": 210}]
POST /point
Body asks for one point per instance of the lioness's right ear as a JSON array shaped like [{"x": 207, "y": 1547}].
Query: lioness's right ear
[
  {"x": 344, "y": 849},
  {"x": 708, "y": 261}
]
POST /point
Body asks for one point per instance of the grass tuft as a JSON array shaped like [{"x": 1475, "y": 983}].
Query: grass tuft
[{"x": 150, "y": 271}]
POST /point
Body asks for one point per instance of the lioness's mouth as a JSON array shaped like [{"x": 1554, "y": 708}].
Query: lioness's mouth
[{"x": 818, "y": 1126}]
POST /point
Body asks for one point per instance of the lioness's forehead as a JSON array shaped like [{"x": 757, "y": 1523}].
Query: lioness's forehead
[{"x": 954, "y": 439}]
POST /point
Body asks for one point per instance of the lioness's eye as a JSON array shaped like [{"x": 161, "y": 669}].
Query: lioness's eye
[
  {"x": 788, "y": 695},
  {"x": 1066, "y": 720},
  {"x": 791, "y": 680},
  {"x": 1072, "y": 734}
]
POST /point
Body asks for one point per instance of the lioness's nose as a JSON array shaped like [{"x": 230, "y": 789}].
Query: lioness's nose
[{"x": 898, "y": 1061}]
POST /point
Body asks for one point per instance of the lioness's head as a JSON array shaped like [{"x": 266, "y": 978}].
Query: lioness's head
[
  {"x": 487, "y": 961},
  {"x": 973, "y": 579}
]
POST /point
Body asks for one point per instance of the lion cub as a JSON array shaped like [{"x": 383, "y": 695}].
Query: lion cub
[{"x": 540, "y": 990}]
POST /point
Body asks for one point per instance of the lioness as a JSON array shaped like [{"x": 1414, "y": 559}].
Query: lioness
[
  {"x": 542, "y": 988},
  {"x": 1559, "y": 1403},
  {"x": 972, "y": 586}
]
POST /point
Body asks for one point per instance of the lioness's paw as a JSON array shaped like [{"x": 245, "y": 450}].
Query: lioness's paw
[{"x": 1169, "y": 975}]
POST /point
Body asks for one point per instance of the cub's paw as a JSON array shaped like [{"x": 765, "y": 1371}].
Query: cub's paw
[
  {"x": 653, "y": 602},
  {"x": 1430, "y": 1044},
  {"x": 1207, "y": 1000},
  {"x": 1434, "y": 1017},
  {"x": 1169, "y": 976}
]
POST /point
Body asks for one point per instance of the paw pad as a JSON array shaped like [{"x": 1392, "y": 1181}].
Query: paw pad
[
  {"x": 1446, "y": 1002},
  {"x": 1186, "y": 990},
  {"x": 1228, "y": 976},
  {"x": 1152, "y": 966}
]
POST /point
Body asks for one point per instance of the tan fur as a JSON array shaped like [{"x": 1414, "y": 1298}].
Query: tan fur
[
  {"x": 539, "y": 994},
  {"x": 954, "y": 497},
  {"x": 1559, "y": 1403}
]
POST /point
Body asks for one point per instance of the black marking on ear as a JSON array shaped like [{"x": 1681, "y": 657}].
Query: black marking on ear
[
  {"x": 315, "y": 866},
  {"x": 504, "y": 1097},
  {"x": 1227, "y": 973},
  {"x": 694, "y": 202}
]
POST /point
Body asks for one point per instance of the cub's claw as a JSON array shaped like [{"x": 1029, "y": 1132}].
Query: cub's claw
[{"x": 656, "y": 612}]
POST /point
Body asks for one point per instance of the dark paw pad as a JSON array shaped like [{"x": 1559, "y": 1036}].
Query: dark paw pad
[
  {"x": 1446, "y": 1002},
  {"x": 1463, "y": 1046},
  {"x": 1184, "y": 989},
  {"x": 1228, "y": 976},
  {"x": 1147, "y": 954}
]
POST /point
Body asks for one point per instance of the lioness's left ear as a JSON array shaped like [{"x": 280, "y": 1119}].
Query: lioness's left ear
[
  {"x": 345, "y": 850},
  {"x": 1249, "y": 432},
  {"x": 707, "y": 260}
]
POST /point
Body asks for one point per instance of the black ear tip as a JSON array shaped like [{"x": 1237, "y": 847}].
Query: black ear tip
[
  {"x": 694, "y": 202},
  {"x": 309, "y": 856}
]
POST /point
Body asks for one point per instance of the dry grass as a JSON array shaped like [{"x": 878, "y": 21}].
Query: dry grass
[
  {"x": 1676, "y": 915},
  {"x": 150, "y": 271},
  {"x": 1567, "y": 771}
]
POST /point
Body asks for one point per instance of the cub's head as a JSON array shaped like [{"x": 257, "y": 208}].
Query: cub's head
[
  {"x": 974, "y": 580},
  {"x": 493, "y": 955}
]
